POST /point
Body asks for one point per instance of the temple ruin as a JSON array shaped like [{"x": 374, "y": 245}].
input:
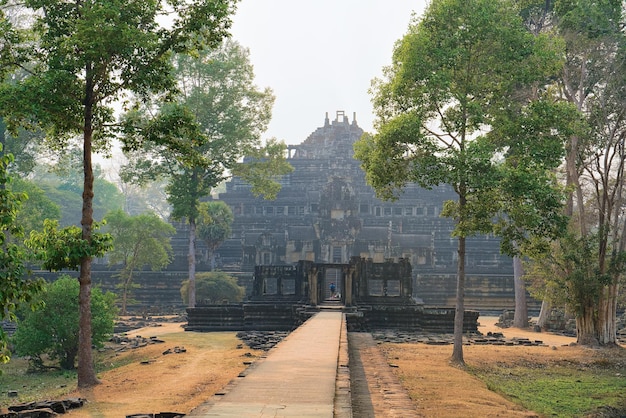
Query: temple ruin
[
  {"x": 326, "y": 214},
  {"x": 373, "y": 296}
]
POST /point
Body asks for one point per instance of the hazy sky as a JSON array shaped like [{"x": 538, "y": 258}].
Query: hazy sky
[{"x": 320, "y": 56}]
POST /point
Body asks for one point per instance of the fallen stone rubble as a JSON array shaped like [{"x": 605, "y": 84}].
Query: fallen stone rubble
[
  {"x": 135, "y": 322},
  {"x": 492, "y": 338},
  {"x": 126, "y": 343},
  {"x": 261, "y": 340},
  {"x": 43, "y": 409}
]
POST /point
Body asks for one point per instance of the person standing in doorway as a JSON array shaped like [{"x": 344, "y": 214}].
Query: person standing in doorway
[{"x": 333, "y": 288}]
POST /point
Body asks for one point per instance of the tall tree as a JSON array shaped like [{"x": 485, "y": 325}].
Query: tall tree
[
  {"x": 87, "y": 55},
  {"x": 593, "y": 79},
  {"x": 453, "y": 80},
  {"x": 138, "y": 241},
  {"x": 214, "y": 226},
  {"x": 225, "y": 115}
]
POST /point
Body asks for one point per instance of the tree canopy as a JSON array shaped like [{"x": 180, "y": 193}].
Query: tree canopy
[
  {"x": 82, "y": 57},
  {"x": 460, "y": 83},
  {"x": 214, "y": 288},
  {"x": 589, "y": 261},
  {"x": 222, "y": 115},
  {"x": 214, "y": 226}
]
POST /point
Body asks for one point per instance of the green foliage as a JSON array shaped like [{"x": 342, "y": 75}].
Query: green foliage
[
  {"x": 214, "y": 287},
  {"x": 451, "y": 110},
  {"x": 138, "y": 241},
  {"x": 36, "y": 208},
  {"x": 53, "y": 329},
  {"x": 569, "y": 274},
  {"x": 591, "y": 19},
  {"x": 214, "y": 223},
  {"x": 14, "y": 285},
  {"x": 200, "y": 141},
  {"x": 86, "y": 56},
  {"x": 25, "y": 147},
  {"x": 64, "y": 248},
  {"x": 453, "y": 78}
]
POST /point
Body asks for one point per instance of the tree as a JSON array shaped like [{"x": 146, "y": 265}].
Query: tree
[
  {"x": 224, "y": 115},
  {"x": 15, "y": 287},
  {"x": 53, "y": 329},
  {"x": 214, "y": 287},
  {"x": 36, "y": 208},
  {"x": 453, "y": 81},
  {"x": 87, "y": 55},
  {"x": 25, "y": 147},
  {"x": 593, "y": 80},
  {"x": 214, "y": 226},
  {"x": 138, "y": 241}
]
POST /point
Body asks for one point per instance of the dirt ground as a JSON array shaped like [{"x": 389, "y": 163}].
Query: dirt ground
[
  {"x": 440, "y": 390},
  {"x": 153, "y": 382}
]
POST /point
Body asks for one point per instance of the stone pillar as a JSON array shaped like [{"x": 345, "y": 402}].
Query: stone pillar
[
  {"x": 347, "y": 298},
  {"x": 313, "y": 291}
]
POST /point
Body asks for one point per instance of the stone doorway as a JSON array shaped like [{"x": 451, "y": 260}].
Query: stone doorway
[{"x": 334, "y": 276}]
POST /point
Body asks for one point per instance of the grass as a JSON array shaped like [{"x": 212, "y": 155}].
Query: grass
[
  {"x": 558, "y": 390},
  {"x": 53, "y": 383},
  {"x": 31, "y": 386}
]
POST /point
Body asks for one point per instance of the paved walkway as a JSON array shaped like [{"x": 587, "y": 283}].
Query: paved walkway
[{"x": 297, "y": 379}]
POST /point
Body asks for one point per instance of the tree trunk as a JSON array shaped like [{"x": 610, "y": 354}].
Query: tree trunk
[
  {"x": 597, "y": 325},
  {"x": 585, "y": 327},
  {"x": 125, "y": 291},
  {"x": 606, "y": 320},
  {"x": 191, "y": 258},
  {"x": 68, "y": 361},
  {"x": 457, "y": 352},
  {"x": 86, "y": 371},
  {"x": 544, "y": 313},
  {"x": 212, "y": 259},
  {"x": 520, "y": 320}
]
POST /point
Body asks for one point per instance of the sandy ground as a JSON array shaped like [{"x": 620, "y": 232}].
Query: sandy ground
[
  {"x": 175, "y": 382},
  {"x": 440, "y": 390},
  {"x": 152, "y": 382}
]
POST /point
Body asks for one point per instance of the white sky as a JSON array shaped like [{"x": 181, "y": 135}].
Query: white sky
[{"x": 320, "y": 56}]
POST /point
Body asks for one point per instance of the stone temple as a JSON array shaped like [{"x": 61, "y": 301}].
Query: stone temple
[{"x": 326, "y": 213}]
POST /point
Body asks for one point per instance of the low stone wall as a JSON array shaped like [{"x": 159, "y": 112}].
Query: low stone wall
[
  {"x": 410, "y": 318},
  {"x": 242, "y": 317},
  {"x": 286, "y": 317}
]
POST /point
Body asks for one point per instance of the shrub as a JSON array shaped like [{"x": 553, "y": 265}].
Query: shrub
[
  {"x": 213, "y": 288},
  {"x": 53, "y": 329}
]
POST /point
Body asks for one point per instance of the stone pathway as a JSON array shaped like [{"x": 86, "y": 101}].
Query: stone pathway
[
  {"x": 296, "y": 379},
  {"x": 319, "y": 371}
]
